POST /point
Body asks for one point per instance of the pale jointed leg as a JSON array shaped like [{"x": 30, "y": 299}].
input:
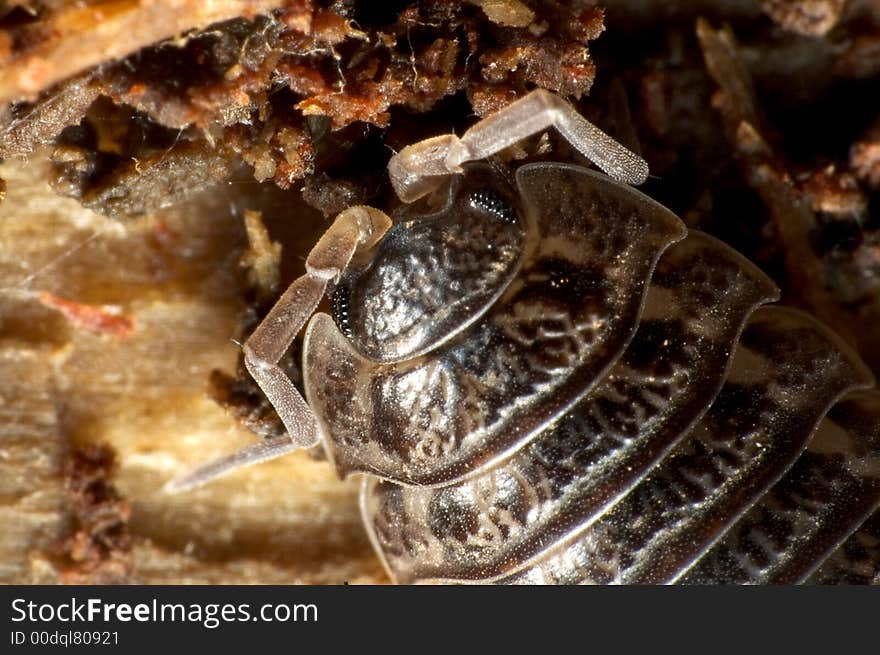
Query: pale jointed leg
[
  {"x": 356, "y": 228},
  {"x": 420, "y": 168}
]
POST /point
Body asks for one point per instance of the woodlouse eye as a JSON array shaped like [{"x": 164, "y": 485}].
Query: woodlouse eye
[
  {"x": 491, "y": 202},
  {"x": 340, "y": 303}
]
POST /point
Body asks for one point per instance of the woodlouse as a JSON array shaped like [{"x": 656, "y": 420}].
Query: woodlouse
[{"x": 549, "y": 379}]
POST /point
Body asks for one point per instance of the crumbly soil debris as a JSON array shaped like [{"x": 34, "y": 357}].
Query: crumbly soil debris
[
  {"x": 806, "y": 17},
  {"x": 97, "y": 550},
  {"x": 266, "y": 87}
]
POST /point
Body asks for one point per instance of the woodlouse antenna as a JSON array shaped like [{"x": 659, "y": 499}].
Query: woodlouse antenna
[
  {"x": 356, "y": 228},
  {"x": 419, "y": 168}
]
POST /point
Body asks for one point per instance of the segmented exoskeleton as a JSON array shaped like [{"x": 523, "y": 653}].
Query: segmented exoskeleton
[
  {"x": 547, "y": 379},
  {"x": 652, "y": 418}
]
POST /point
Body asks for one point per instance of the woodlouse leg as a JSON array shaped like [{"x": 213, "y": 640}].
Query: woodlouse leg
[
  {"x": 356, "y": 228},
  {"x": 420, "y": 168}
]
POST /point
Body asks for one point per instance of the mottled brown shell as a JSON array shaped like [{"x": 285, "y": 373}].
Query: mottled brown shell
[{"x": 600, "y": 398}]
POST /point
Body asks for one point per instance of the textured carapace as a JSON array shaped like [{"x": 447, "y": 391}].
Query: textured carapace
[
  {"x": 433, "y": 273},
  {"x": 545, "y": 378},
  {"x": 560, "y": 323},
  {"x": 617, "y": 408}
]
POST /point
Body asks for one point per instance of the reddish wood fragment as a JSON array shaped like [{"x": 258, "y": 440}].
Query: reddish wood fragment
[{"x": 95, "y": 318}]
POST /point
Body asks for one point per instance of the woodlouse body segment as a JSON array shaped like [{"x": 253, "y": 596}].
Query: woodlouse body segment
[
  {"x": 560, "y": 323},
  {"x": 825, "y": 496},
  {"x": 490, "y": 524},
  {"x": 753, "y": 432},
  {"x": 550, "y": 380}
]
